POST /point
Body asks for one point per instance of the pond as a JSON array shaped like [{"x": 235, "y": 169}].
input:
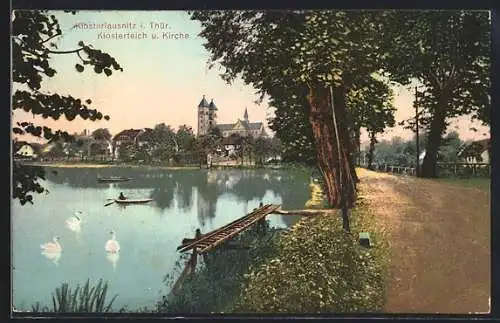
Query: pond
[{"x": 183, "y": 200}]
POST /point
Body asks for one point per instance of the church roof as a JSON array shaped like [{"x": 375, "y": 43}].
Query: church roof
[
  {"x": 240, "y": 124},
  {"x": 225, "y": 126},
  {"x": 212, "y": 106},
  {"x": 203, "y": 103}
]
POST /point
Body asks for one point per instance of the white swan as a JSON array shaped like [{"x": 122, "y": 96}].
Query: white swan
[
  {"x": 75, "y": 220},
  {"x": 52, "y": 247},
  {"x": 112, "y": 245}
]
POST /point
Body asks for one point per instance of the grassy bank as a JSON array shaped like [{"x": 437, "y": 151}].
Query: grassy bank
[
  {"x": 480, "y": 183},
  {"x": 319, "y": 268}
]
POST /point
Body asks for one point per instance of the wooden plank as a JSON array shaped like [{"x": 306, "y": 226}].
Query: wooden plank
[
  {"x": 236, "y": 231},
  {"x": 182, "y": 248},
  {"x": 207, "y": 235}
]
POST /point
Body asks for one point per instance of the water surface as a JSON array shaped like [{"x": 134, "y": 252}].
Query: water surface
[{"x": 148, "y": 234}]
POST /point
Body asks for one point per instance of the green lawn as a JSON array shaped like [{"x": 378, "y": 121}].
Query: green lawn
[{"x": 481, "y": 183}]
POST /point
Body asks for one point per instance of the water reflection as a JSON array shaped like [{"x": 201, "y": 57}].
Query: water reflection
[
  {"x": 186, "y": 189},
  {"x": 54, "y": 256},
  {"x": 113, "y": 257},
  {"x": 75, "y": 227}
]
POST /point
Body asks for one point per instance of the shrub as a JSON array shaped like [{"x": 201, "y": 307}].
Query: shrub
[{"x": 319, "y": 268}]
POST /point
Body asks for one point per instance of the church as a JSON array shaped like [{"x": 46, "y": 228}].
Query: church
[{"x": 207, "y": 118}]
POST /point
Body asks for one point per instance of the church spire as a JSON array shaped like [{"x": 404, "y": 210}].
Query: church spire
[{"x": 245, "y": 116}]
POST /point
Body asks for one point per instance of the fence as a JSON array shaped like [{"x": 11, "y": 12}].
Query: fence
[{"x": 460, "y": 170}]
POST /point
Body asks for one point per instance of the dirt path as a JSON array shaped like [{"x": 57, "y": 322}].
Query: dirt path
[{"x": 440, "y": 243}]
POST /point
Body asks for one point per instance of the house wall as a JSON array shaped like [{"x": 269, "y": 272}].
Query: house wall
[
  {"x": 485, "y": 157},
  {"x": 26, "y": 151}
]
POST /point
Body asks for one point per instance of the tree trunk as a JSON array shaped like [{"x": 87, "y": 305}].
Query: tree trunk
[
  {"x": 373, "y": 141},
  {"x": 438, "y": 126},
  {"x": 321, "y": 120}
]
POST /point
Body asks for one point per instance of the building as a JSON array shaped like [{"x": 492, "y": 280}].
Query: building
[
  {"x": 24, "y": 150},
  {"x": 128, "y": 136},
  {"x": 207, "y": 118},
  {"x": 476, "y": 152},
  {"x": 231, "y": 145}
]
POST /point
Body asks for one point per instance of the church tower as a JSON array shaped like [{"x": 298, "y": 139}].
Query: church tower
[
  {"x": 212, "y": 114},
  {"x": 202, "y": 117}
]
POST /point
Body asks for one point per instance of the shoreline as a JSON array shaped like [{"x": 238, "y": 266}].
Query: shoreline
[{"x": 152, "y": 167}]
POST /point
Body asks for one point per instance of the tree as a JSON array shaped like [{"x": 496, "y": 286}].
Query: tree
[
  {"x": 33, "y": 45},
  {"x": 127, "y": 151},
  {"x": 450, "y": 148},
  {"x": 263, "y": 148},
  {"x": 371, "y": 108},
  {"x": 101, "y": 134},
  {"x": 186, "y": 138},
  {"x": 291, "y": 124},
  {"x": 447, "y": 52},
  {"x": 163, "y": 143},
  {"x": 314, "y": 49},
  {"x": 209, "y": 143}
]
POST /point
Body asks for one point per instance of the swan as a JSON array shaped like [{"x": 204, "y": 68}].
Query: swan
[
  {"x": 75, "y": 220},
  {"x": 112, "y": 245},
  {"x": 52, "y": 247}
]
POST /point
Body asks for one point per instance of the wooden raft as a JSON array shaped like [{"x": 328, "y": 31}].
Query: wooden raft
[{"x": 216, "y": 237}]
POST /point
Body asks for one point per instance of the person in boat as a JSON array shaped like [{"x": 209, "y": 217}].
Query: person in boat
[{"x": 122, "y": 197}]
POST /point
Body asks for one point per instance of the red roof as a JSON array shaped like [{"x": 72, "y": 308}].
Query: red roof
[{"x": 129, "y": 134}]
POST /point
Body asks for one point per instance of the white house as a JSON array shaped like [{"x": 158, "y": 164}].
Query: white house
[
  {"x": 476, "y": 151},
  {"x": 25, "y": 150}
]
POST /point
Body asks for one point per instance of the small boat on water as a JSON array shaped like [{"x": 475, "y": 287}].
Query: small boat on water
[
  {"x": 113, "y": 179},
  {"x": 133, "y": 201}
]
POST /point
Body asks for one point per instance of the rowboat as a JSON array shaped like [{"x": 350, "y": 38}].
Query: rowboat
[
  {"x": 133, "y": 201},
  {"x": 113, "y": 179}
]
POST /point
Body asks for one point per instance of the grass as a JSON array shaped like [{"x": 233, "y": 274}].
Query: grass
[
  {"x": 318, "y": 268},
  {"x": 89, "y": 299},
  {"x": 480, "y": 183}
]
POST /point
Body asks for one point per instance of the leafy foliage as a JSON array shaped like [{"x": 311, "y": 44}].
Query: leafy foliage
[
  {"x": 448, "y": 52},
  {"x": 26, "y": 182},
  {"x": 101, "y": 134},
  {"x": 163, "y": 142},
  {"x": 33, "y": 45},
  {"x": 186, "y": 138},
  {"x": 399, "y": 152},
  {"x": 319, "y": 268}
]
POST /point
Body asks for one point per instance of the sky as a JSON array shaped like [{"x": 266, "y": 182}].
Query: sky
[{"x": 164, "y": 79}]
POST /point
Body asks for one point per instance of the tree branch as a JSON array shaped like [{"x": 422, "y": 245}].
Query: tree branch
[
  {"x": 51, "y": 37},
  {"x": 64, "y": 51}
]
